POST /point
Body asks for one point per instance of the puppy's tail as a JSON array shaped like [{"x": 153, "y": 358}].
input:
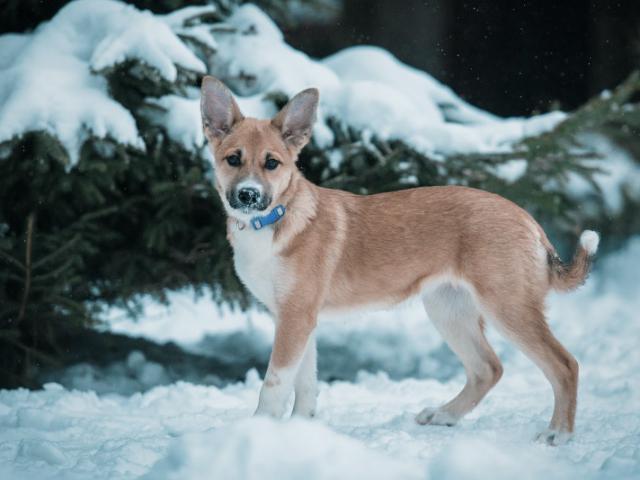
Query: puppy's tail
[{"x": 565, "y": 277}]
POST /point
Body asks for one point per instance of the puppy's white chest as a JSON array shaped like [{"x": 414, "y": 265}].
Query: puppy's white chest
[{"x": 255, "y": 263}]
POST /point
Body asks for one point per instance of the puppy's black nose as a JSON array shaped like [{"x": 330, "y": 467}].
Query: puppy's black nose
[{"x": 248, "y": 196}]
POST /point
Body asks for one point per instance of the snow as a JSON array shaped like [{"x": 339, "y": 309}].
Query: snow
[
  {"x": 11, "y": 46},
  {"x": 51, "y": 80},
  {"x": 254, "y": 59},
  {"x": 187, "y": 319},
  {"x": 179, "y": 18},
  {"x": 181, "y": 119},
  {"x": 364, "y": 428},
  {"x": 512, "y": 170},
  {"x": 366, "y": 88},
  {"x": 261, "y": 448},
  {"x": 150, "y": 41},
  {"x": 620, "y": 174},
  {"x": 434, "y": 101},
  {"x": 176, "y": 112},
  {"x": 135, "y": 373},
  {"x": 48, "y": 80},
  {"x": 400, "y": 341}
]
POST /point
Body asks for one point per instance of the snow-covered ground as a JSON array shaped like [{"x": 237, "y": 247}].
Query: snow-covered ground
[{"x": 365, "y": 428}]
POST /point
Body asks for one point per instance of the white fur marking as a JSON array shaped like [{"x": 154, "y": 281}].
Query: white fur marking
[
  {"x": 250, "y": 183},
  {"x": 276, "y": 390},
  {"x": 255, "y": 263},
  {"x": 589, "y": 240}
]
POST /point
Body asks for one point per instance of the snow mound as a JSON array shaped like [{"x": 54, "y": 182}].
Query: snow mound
[
  {"x": 473, "y": 459},
  {"x": 260, "y": 448}
]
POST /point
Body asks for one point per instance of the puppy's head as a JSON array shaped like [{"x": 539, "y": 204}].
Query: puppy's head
[{"x": 255, "y": 160}]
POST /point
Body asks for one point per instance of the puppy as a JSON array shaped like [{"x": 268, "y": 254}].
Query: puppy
[{"x": 470, "y": 255}]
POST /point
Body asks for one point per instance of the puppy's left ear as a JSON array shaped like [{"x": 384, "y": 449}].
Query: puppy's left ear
[{"x": 295, "y": 120}]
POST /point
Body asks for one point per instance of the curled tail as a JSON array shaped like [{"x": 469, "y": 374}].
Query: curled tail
[{"x": 565, "y": 277}]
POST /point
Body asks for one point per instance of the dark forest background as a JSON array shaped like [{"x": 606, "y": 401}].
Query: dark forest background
[{"x": 511, "y": 58}]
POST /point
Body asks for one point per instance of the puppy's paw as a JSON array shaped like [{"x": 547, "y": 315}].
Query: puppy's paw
[
  {"x": 304, "y": 409},
  {"x": 270, "y": 410},
  {"x": 304, "y": 412},
  {"x": 553, "y": 437},
  {"x": 436, "y": 416}
]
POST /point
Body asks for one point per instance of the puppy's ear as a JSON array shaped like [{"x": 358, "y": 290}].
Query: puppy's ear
[
  {"x": 219, "y": 110},
  {"x": 296, "y": 118}
]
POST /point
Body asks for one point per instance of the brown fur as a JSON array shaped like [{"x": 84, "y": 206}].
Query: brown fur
[
  {"x": 567, "y": 277},
  {"x": 336, "y": 250}
]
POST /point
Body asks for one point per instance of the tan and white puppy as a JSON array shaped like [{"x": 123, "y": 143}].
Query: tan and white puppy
[{"x": 471, "y": 256}]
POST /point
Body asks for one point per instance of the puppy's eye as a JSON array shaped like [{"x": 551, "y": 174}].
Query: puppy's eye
[
  {"x": 234, "y": 160},
  {"x": 271, "y": 163}
]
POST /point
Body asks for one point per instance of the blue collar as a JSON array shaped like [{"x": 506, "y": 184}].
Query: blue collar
[{"x": 262, "y": 221}]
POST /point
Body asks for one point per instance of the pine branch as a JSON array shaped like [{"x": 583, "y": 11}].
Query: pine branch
[
  {"x": 56, "y": 253},
  {"x": 27, "y": 263},
  {"x": 9, "y": 259},
  {"x": 594, "y": 114}
]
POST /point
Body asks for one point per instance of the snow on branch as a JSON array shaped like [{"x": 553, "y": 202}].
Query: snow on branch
[
  {"x": 48, "y": 79},
  {"x": 367, "y": 88},
  {"x": 52, "y": 80},
  {"x": 104, "y": 70}
]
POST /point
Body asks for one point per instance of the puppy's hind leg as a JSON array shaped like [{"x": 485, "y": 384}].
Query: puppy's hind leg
[
  {"x": 527, "y": 327},
  {"x": 456, "y": 317}
]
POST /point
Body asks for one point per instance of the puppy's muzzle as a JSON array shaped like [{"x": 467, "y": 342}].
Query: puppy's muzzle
[{"x": 249, "y": 198}]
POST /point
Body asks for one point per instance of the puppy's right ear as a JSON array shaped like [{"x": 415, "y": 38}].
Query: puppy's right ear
[{"x": 219, "y": 110}]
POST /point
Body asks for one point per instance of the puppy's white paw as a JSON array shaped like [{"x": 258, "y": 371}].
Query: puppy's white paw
[
  {"x": 270, "y": 409},
  {"x": 305, "y": 402},
  {"x": 307, "y": 411},
  {"x": 553, "y": 437},
  {"x": 436, "y": 416}
]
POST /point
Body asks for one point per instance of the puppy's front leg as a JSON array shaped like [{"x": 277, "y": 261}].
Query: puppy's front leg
[
  {"x": 293, "y": 330},
  {"x": 306, "y": 383}
]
